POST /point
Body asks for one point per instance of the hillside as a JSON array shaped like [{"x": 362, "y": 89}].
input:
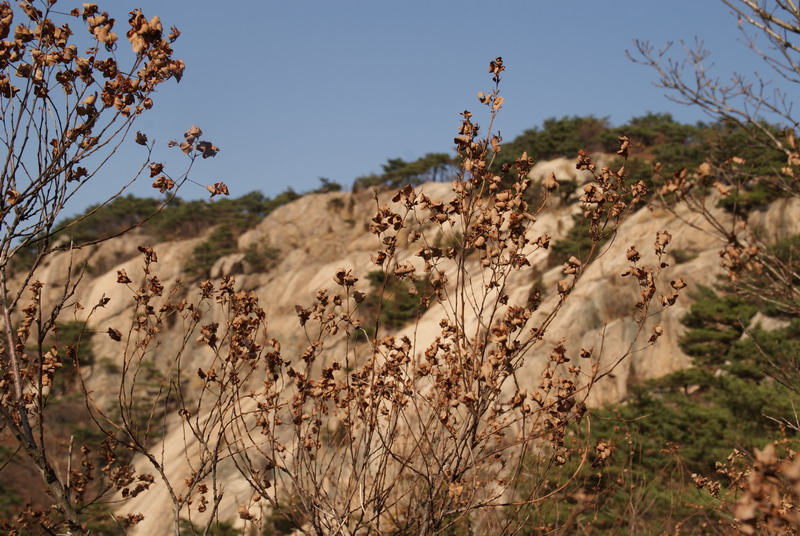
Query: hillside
[{"x": 311, "y": 238}]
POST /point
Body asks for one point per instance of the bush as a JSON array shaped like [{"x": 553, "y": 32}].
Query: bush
[
  {"x": 397, "y": 172},
  {"x": 578, "y": 243},
  {"x": 416, "y": 429},
  {"x": 673, "y": 431},
  {"x": 392, "y": 302},
  {"x": 261, "y": 258},
  {"x": 222, "y": 242}
]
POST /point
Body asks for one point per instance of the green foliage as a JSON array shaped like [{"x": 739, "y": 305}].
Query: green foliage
[
  {"x": 659, "y": 138},
  {"x": 773, "y": 287},
  {"x": 100, "y": 520},
  {"x": 177, "y": 220},
  {"x": 641, "y": 488},
  {"x": 577, "y": 242},
  {"x": 452, "y": 241},
  {"x": 71, "y": 335},
  {"x": 326, "y": 185},
  {"x": 684, "y": 423},
  {"x": 775, "y": 354},
  {"x": 391, "y": 295},
  {"x": 280, "y": 524},
  {"x": 221, "y": 242},
  {"x": 187, "y": 219},
  {"x": 659, "y": 129},
  {"x": 10, "y": 500},
  {"x": 787, "y": 251},
  {"x": 682, "y": 256},
  {"x": 235, "y": 219},
  {"x": 336, "y": 204},
  {"x": 261, "y": 258},
  {"x": 397, "y": 172},
  {"x": 751, "y": 187},
  {"x": 745, "y": 199},
  {"x": 393, "y": 302},
  {"x": 560, "y": 137},
  {"x": 656, "y": 137},
  {"x": 714, "y": 323},
  {"x": 110, "y": 219}
]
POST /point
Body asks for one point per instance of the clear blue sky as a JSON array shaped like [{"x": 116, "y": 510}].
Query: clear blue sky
[{"x": 296, "y": 90}]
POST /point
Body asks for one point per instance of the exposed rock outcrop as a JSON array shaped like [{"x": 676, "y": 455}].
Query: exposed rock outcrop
[{"x": 320, "y": 233}]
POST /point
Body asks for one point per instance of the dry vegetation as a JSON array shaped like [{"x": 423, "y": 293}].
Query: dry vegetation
[{"x": 366, "y": 431}]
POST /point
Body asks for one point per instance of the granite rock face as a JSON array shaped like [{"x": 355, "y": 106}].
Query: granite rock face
[{"x": 320, "y": 233}]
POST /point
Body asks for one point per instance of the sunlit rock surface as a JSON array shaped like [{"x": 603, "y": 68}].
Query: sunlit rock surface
[{"x": 320, "y": 233}]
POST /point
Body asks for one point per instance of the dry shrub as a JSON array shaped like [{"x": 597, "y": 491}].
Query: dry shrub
[{"x": 401, "y": 434}]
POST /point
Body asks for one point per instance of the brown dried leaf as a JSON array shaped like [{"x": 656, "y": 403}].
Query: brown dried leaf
[
  {"x": 723, "y": 189},
  {"x": 495, "y": 141},
  {"x": 164, "y": 184},
  {"x": 155, "y": 168},
  {"x": 624, "y": 145},
  {"x": 563, "y": 287},
  {"x": 208, "y": 149},
  {"x": 657, "y": 332},
  {"x": 679, "y": 284},
  {"x": 704, "y": 170},
  {"x": 455, "y": 490},
  {"x": 115, "y": 334},
  {"x": 550, "y": 183},
  {"x": 89, "y": 10},
  {"x": 192, "y": 134},
  {"x": 122, "y": 277},
  {"x": 12, "y": 197},
  {"x": 404, "y": 269},
  {"x": 218, "y": 188}
]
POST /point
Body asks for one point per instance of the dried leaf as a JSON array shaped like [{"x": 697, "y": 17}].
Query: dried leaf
[
  {"x": 679, "y": 284},
  {"x": 550, "y": 183},
  {"x": 218, "y": 188},
  {"x": 192, "y": 134},
  {"x": 624, "y": 145},
  {"x": 563, "y": 287},
  {"x": 164, "y": 184},
  {"x": 723, "y": 189},
  {"x": 12, "y": 197},
  {"x": 207, "y": 149},
  {"x": 155, "y": 168}
]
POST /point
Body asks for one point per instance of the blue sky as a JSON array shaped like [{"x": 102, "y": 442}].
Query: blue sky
[{"x": 296, "y": 90}]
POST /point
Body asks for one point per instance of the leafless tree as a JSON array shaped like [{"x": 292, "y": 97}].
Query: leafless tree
[
  {"x": 762, "y": 109},
  {"x": 65, "y": 113}
]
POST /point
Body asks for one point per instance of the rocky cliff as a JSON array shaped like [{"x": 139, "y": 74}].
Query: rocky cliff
[{"x": 318, "y": 234}]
